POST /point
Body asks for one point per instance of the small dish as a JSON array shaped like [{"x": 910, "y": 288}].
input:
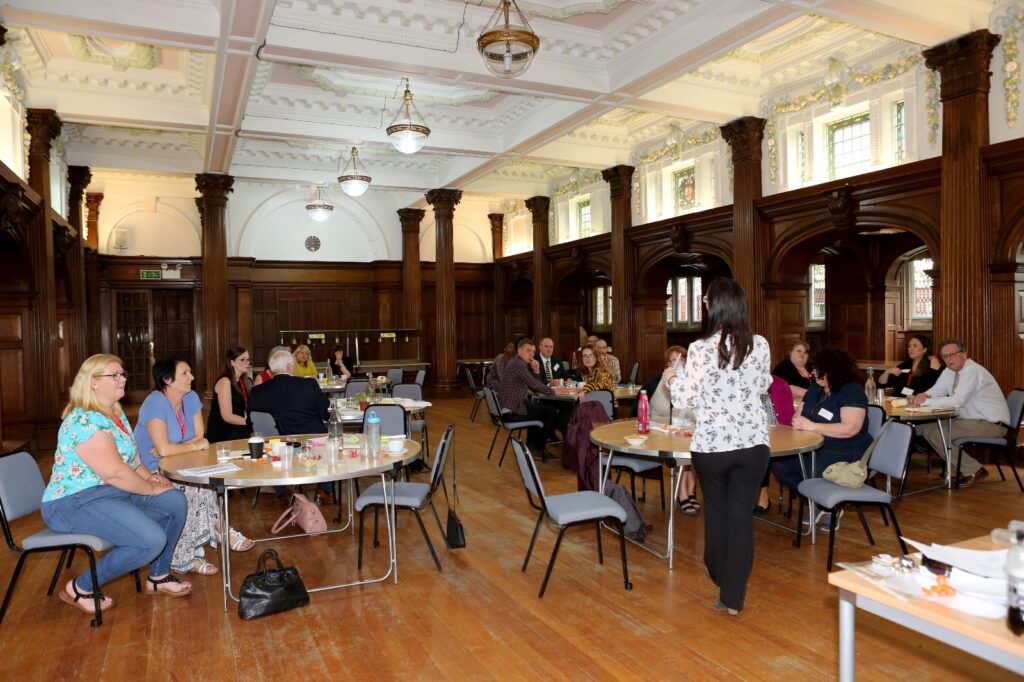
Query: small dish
[
  {"x": 636, "y": 441},
  {"x": 395, "y": 454}
]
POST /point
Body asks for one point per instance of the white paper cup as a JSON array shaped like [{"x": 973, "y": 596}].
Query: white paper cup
[{"x": 396, "y": 446}]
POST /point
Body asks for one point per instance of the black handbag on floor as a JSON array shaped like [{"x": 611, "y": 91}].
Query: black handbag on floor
[
  {"x": 269, "y": 591},
  {"x": 455, "y": 534}
]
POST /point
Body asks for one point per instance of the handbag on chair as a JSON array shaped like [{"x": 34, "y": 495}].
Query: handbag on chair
[
  {"x": 455, "y": 534},
  {"x": 269, "y": 591}
]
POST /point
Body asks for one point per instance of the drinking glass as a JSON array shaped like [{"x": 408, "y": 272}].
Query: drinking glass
[
  {"x": 306, "y": 456},
  {"x": 223, "y": 452}
]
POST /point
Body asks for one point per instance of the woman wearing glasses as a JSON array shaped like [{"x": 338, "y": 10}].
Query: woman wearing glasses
[
  {"x": 230, "y": 396},
  {"x": 171, "y": 423},
  {"x": 917, "y": 373},
  {"x": 99, "y": 487},
  {"x": 590, "y": 371}
]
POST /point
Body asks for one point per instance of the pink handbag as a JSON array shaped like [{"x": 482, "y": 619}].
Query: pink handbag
[{"x": 302, "y": 513}]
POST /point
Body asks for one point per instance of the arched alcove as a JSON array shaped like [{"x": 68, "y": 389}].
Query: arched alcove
[{"x": 156, "y": 230}]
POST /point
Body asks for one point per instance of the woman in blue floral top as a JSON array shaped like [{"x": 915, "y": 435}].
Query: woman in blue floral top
[{"x": 99, "y": 487}]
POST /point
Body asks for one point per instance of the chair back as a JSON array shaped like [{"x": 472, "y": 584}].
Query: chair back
[
  {"x": 565, "y": 366},
  {"x": 1015, "y": 403},
  {"x": 21, "y": 486},
  {"x": 356, "y": 386},
  {"x": 469, "y": 379},
  {"x": 441, "y": 458},
  {"x": 407, "y": 391},
  {"x": 396, "y": 375},
  {"x": 323, "y": 368},
  {"x": 528, "y": 470},
  {"x": 492, "y": 404},
  {"x": 264, "y": 424},
  {"x": 605, "y": 397},
  {"x": 393, "y": 420},
  {"x": 634, "y": 373},
  {"x": 421, "y": 377},
  {"x": 876, "y": 417},
  {"x": 892, "y": 449}
]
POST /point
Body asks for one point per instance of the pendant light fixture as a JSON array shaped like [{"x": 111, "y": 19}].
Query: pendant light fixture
[
  {"x": 319, "y": 208},
  {"x": 354, "y": 179},
  {"x": 507, "y": 48},
  {"x": 407, "y": 132}
]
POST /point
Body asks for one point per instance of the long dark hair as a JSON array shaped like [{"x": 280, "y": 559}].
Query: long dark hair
[
  {"x": 229, "y": 371},
  {"x": 925, "y": 363},
  {"x": 727, "y": 311}
]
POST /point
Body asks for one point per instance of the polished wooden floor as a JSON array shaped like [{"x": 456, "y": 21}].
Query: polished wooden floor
[{"x": 481, "y": 618}]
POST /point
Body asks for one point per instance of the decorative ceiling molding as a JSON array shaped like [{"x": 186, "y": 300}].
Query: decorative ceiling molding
[
  {"x": 750, "y": 53},
  {"x": 312, "y": 74},
  {"x": 128, "y": 56},
  {"x": 136, "y": 139}
]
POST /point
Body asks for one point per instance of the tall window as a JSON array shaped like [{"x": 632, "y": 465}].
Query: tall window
[
  {"x": 685, "y": 184},
  {"x": 817, "y": 311},
  {"x": 801, "y": 156},
  {"x": 683, "y": 308},
  {"x": 849, "y": 146},
  {"x": 583, "y": 218},
  {"x": 920, "y": 289},
  {"x": 602, "y": 302},
  {"x": 898, "y": 131}
]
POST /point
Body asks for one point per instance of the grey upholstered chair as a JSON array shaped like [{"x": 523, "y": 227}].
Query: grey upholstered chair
[
  {"x": 477, "y": 393},
  {"x": 412, "y": 496},
  {"x": 876, "y": 418},
  {"x": 606, "y": 398},
  {"x": 396, "y": 375},
  {"x": 21, "y": 494},
  {"x": 1006, "y": 444},
  {"x": 421, "y": 377},
  {"x": 889, "y": 457},
  {"x": 497, "y": 416},
  {"x": 416, "y": 425},
  {"x": 393, "y": 419},
  {"x": 264, "y": 424},
  {"x": 356, "y": 386},
  {"x": 568, "y": 509}
]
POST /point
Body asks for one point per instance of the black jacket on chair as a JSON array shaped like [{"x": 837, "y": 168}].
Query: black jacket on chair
[{"x": 297, "y": 403}]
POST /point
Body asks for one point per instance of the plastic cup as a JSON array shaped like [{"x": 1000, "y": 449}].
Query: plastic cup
[
  {"x": 396, "y": 446},
  {"x": 223, "y": 452}
]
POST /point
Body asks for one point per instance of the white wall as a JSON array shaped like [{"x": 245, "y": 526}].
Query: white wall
[
  {"x": 156, "y": 212},
  {"x": 472, "y": 231}
]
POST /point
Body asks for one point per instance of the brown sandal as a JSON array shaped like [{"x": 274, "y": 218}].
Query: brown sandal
[
  {"x": 80, "y": 600},
  {"x": 169, "y": 578}
]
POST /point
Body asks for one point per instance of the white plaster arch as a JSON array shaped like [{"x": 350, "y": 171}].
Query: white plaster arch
[
  {"x": 165, "y": 246},
  {"x": 347, "y": 213},
  {"x": 470, "y": 247}
]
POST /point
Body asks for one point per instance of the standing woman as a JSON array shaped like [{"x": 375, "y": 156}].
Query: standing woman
[
  {"x": 99, "y": 487},
  {"x": 304, "y": 365},
  {"x": 726, "y": 373},
  {"x": 230, "y": 396},
  {"x": 171, "y": 423},
  {"x": 795, "y": 369}
]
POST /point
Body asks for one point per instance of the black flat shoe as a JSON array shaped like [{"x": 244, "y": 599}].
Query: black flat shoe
[{"x": 762, "y": 511}]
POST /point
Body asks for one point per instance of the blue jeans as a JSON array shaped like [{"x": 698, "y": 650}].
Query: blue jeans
[{"x": 143, "y": 529}]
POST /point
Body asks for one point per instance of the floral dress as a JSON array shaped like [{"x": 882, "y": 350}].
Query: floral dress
[{"x": 70, "y": 474}]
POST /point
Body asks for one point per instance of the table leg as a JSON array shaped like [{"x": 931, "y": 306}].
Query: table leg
[
  {"x": 225, "y": 551},
  {"x": 947, "y": 445},
  {"x": 847, "y": 613}
]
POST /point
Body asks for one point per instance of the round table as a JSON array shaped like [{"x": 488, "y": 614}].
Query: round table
[
  {"x": 253, "y": 473},
  {"x": 924, "y": 413},
  {"x": 671, "y": 448}
]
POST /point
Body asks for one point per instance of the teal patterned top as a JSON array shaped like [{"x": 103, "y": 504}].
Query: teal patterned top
[{"x": 70, "y": 474}]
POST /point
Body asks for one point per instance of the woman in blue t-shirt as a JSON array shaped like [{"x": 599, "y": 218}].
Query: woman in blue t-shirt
[
  {"x": 99, "y": 487},
  {"x": 834, "y": 406},
  {"x": 171, "y": 423}
]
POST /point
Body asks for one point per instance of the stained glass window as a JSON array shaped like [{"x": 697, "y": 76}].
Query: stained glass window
[
  {"x": 921, "y": 289},
  {"x": 898, "y": 132},
  {"x": 817, "y": 292},
  {"x": 685, "y": 183}
]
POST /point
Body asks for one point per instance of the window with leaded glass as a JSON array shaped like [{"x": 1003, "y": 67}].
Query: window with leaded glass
[
  {"x": 803, "y": 169},
  {"x": 898, "y": 131},
  {"x": 849, "y": 146},
  {"x": 602, "y": 305},
  {"x": 683, "y": 308},
  {"x": 583, "y": 218},
  {"x": 817, "y": 308},
  {"x": 920, "y": 289},
  {"x": 685, "y": 183}
]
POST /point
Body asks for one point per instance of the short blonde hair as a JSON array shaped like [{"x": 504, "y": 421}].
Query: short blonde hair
[
  {"x": 82, "y": 394},
  {"x": 309, "y": 355}
]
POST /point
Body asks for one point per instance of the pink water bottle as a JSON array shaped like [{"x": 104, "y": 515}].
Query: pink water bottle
[{"x": 643, "y": 413}]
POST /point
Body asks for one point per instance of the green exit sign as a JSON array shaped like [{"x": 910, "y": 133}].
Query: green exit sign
[{"x": 149, "y": 274}]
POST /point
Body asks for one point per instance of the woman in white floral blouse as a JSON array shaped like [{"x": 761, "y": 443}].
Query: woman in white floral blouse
[{"x": 726, "y": 374}]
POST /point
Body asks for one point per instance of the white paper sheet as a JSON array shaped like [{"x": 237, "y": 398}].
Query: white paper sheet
[
  {"x": 211, "y": 470},
  {"x": 989, "y": 564}
]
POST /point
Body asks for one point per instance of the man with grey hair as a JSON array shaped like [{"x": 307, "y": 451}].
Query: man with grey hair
[
  {"x": 268, "y": 374},
  {"x": 297, "y": 403},
  {"x": 608, "y": 361},
  {"x": 969, "y": 387}
]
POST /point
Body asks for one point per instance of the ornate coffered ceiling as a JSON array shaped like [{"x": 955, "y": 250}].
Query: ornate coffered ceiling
[{"x": 280, "y": 89}]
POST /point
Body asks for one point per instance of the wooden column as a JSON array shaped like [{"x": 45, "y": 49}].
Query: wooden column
[
  {"x": 964, "y": 310},
  {"x": 92, "y": 219},
  {"x": 624, "y": 330},
  {"x": 43, "y": 126},
  {"x": 750, "y": 239},
  {"x": 498, "y": 251},
  {"x": 446, "y": 376},
  {"x": 94, "y": 328},
  {"x": 412, "y": 279},
  {"x": 78, "y": 179},
  {"x": 539, "y": 207},
  {"x": 497, "y": 234},
  {"x": 212, "y": 339}
]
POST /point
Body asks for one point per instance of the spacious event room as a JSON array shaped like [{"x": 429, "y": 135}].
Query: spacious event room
[{"x": 648, "y": 339}]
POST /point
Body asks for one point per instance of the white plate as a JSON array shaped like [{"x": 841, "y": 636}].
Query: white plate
[{"x": 396, "y": 454}]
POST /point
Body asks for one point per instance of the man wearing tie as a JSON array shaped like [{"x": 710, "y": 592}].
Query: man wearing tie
[{"x": 551, "y": 367}]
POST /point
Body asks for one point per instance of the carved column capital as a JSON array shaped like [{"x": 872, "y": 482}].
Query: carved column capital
[
  {"x": 444, "y": 201},
  {"x": 43, "y": 125},
  {"x": 618, "y": 179},
  {"x": 963, "y": 63},
  {"x": 744, "y": 136},
  {"x": 411, "y": 219},
  {"x": 214, "y": 187},
  {"x": 539, "y": 207},
  {"x": 79, "y": 178},
  {"x": 497, "y": 234}
]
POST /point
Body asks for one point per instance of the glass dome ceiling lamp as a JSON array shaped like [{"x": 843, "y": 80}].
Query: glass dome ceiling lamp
[
  {"x": 507, "y": 48},
  {"x": 408, "y": 132},
  {"x": 354, "y": 179},
  {"x": 319, "y": 208}
]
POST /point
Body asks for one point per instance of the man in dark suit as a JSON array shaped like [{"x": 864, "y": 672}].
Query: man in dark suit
[
  {"x": 297, "y": 403},
  {"x": 550, "y": 365}
]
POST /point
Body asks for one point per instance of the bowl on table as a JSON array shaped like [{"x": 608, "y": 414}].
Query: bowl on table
[{"x": 636, "y": 441}]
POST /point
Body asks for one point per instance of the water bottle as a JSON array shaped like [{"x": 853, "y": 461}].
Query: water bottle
[
  {"x": 643, "y": 413},
  {"x": 373, "y": 432},
  {"x": 372, "y": 386},
  {"x": 870, "y": 389},
  {"x": 335, "y": 427},
  {"x": 1015, "y": 585}
]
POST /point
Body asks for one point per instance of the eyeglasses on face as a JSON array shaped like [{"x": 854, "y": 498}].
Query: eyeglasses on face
[
  {"x": 589, "y": 355},
  {"x": 947, "y": 356},
  {"x": 115, "y": 376}
]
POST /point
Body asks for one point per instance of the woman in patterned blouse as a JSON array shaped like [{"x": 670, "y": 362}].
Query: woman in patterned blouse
[
  {"x": 725, "y": 376},
  {"x": 596, "y": 377},
  {"x": 98, "y": 486}
]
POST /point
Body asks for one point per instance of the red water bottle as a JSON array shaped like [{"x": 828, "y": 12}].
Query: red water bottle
[{"x": 643, "y": 413}]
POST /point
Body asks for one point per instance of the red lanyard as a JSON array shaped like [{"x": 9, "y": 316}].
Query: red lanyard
[
  {"x": 179, "y": 416},
  {"x": 241, "y": 388},
  {"x": 120, "y": 425}
]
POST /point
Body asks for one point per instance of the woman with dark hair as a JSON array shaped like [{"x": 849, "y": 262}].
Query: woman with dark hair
[
  {"x": 341, "y": 364},
  {"x": 726, "y": 373},
  {"x": 171, "y": 423},
  {"x": 595, "y": 376},
  {"x": 230, "y": 396},
  {"x": 917, "y": 373},
  {"x": 795, "y": 368},
  {"x": 834, "y": 406}
]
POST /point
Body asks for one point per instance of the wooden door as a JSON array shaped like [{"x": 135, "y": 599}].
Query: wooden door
[
  {"x": 133, "y": 340},
  {"x": 173, "y": 330}
]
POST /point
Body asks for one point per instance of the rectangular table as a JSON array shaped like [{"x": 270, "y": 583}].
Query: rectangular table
[{"x": 987, "y": 639}]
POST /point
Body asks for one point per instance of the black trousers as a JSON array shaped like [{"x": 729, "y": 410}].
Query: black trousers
[
  {"x": 730, "y": 481},
  {"x": 537, "y": 437}
]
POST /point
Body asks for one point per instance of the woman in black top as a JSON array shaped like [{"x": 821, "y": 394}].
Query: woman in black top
[
  {"x": 341, "y": 364},
  {"x": 917, "y": 373},
  {"x": 795, "y": 369},
  {"x": 230, "y": 395}
]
